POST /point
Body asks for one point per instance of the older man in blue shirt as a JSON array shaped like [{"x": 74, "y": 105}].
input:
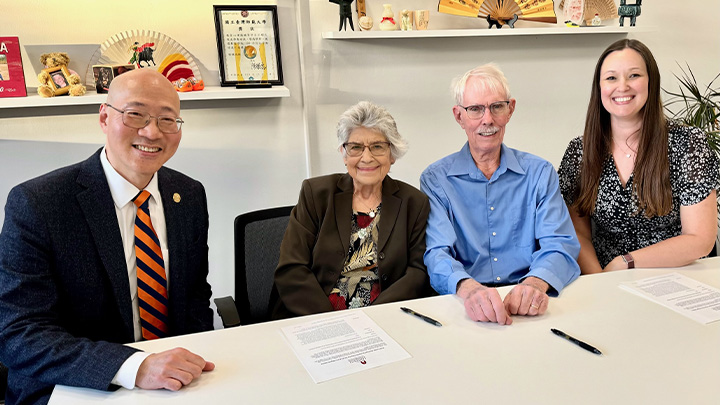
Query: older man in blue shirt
[{"x": 496, "y": 214}]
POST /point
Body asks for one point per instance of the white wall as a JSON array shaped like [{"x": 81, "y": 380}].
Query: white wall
[
  {"x": 550, "y": 76},
  {"x": 251, "y": 154}
]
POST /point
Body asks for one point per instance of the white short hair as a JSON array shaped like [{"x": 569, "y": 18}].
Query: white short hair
[
  {"x": 490, "y": 78},
  {"x": 368, "y": 115}
]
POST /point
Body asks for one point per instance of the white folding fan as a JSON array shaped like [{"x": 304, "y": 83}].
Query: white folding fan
[{"x": 166, "y": 56}]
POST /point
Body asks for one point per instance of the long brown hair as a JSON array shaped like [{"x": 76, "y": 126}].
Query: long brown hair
[{"x": 651, "y": 185}]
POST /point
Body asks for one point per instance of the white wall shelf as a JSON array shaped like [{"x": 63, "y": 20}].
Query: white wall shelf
[
  {"x": 556, "y": 30},
  {"x": 91, "y": 98}
]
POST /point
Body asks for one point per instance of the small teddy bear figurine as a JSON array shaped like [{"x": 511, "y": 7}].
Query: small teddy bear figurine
[{"x": 55, "y": 83}]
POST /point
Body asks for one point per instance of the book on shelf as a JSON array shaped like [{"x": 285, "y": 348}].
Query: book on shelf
[{"x": 12, "y": 78}]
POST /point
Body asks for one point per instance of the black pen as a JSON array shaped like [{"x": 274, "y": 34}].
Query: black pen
[
  {"x": 577, "y": 342},
  {"x": 421, "y": 316}
]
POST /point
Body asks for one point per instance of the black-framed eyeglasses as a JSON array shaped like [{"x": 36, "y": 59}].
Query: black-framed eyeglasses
[
  {"x": 138, "y": 120},
  {"x": 354, "y": 149},
  {"x": 497, "y": 109}
]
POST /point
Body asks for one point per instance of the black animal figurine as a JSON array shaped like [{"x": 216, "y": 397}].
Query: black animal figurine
[
  {"x": 345, "y": 13},
  {"x": 142, "y": 53},
  {"x": 146, "y": 55},
  {"x": 499, "y": 23},
  {"x": 493, "y": 22},
  {"x": 629, "y": 10}
]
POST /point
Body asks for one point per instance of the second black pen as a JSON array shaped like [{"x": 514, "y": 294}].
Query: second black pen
[
  {"x": 421, "y": 316},
  {"x": 577, "y": 342}
]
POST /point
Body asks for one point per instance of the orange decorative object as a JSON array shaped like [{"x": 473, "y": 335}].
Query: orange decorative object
[
  {"x": 197, "y": 84},
  {"x": 183, "y": 85}
]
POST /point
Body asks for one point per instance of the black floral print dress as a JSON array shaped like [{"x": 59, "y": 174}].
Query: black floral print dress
[
  {"x": 618, "y": 226},
  {"x": 358, "y": 285}
]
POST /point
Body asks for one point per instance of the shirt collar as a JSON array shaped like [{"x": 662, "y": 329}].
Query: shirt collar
[
  {"x": 465, "y": 165},
  {"x": 511, "y": 161},
  {"x": 123, "y": 191}
]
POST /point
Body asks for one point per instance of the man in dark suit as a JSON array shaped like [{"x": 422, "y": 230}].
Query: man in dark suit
[{"x": 68, "y": 278}]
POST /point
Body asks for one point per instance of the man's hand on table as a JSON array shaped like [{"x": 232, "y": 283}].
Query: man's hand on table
[
  {"x": 171, "y": 369},
  {"x": 483, "y": 304}
]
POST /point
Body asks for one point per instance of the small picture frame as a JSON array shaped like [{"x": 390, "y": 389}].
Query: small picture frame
[
  {"x": 59, "y": 79},
  {"x": 105, "y": 74},
  {"x": 248, "y": 44}
]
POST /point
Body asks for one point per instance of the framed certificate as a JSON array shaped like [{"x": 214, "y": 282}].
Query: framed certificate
[{"x": 248, "y": 45}]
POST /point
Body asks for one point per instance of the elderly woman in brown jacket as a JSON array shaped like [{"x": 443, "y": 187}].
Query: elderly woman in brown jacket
[{"x": 358, "y": 238}]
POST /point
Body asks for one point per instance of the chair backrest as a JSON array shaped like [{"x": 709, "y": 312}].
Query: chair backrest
[
  {"x": 3, "y": 382},
  {"x": 258, "y": 235}
]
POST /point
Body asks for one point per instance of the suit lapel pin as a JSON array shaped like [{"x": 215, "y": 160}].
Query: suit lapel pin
[{"x": 176, "y": 197}]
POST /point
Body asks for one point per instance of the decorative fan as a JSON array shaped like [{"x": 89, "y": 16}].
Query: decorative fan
[
  {"x": 501, "y": 12},
  {"x": 605, "y": 9},
  {"x": 146, "y": 50}
]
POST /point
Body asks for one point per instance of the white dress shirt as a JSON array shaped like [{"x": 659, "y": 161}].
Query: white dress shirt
[{"x": 123, "y": 192}]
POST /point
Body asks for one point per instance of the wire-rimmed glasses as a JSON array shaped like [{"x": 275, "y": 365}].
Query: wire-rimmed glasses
[
  {"x": 477, "y": 111},
  {"x": 138, "y": 120},
  {"x": 354, "y": 149}
]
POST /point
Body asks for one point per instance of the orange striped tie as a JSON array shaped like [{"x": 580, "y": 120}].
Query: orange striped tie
[{"x": 151, "y": 281}]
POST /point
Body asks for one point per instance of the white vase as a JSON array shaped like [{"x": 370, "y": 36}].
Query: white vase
[{"x": 388, "y": 22}]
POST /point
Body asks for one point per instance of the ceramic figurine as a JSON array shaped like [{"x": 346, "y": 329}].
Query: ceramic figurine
[
  {"x": 365, "y": 23},
  {"x": 406, "y": 20},
  {"x": 388, "y": 21},
  {"x": 345, "y": 13},
  {"x": 596, "y": 21}
]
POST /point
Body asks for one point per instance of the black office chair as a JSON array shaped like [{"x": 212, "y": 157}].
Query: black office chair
[
  {"x": 258, "y": 235},
  {"x": 3, "y": 382}
]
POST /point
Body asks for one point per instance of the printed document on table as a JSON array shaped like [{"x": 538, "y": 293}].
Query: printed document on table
[
  {"x": 334, "y": 347},
  {"x": 680, "y": 293}
]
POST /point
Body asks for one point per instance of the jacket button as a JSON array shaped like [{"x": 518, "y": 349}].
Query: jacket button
[{"x": 382, "y": 255}]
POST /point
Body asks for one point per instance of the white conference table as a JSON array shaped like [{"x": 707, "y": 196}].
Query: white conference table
[{"x": 650, "y": 355}]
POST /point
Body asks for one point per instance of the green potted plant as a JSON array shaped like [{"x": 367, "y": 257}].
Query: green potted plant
[{"x": 697, "y": 106}]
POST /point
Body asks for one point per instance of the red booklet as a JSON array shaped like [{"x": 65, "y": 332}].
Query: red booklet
[{"x": 12, "y": 79}]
